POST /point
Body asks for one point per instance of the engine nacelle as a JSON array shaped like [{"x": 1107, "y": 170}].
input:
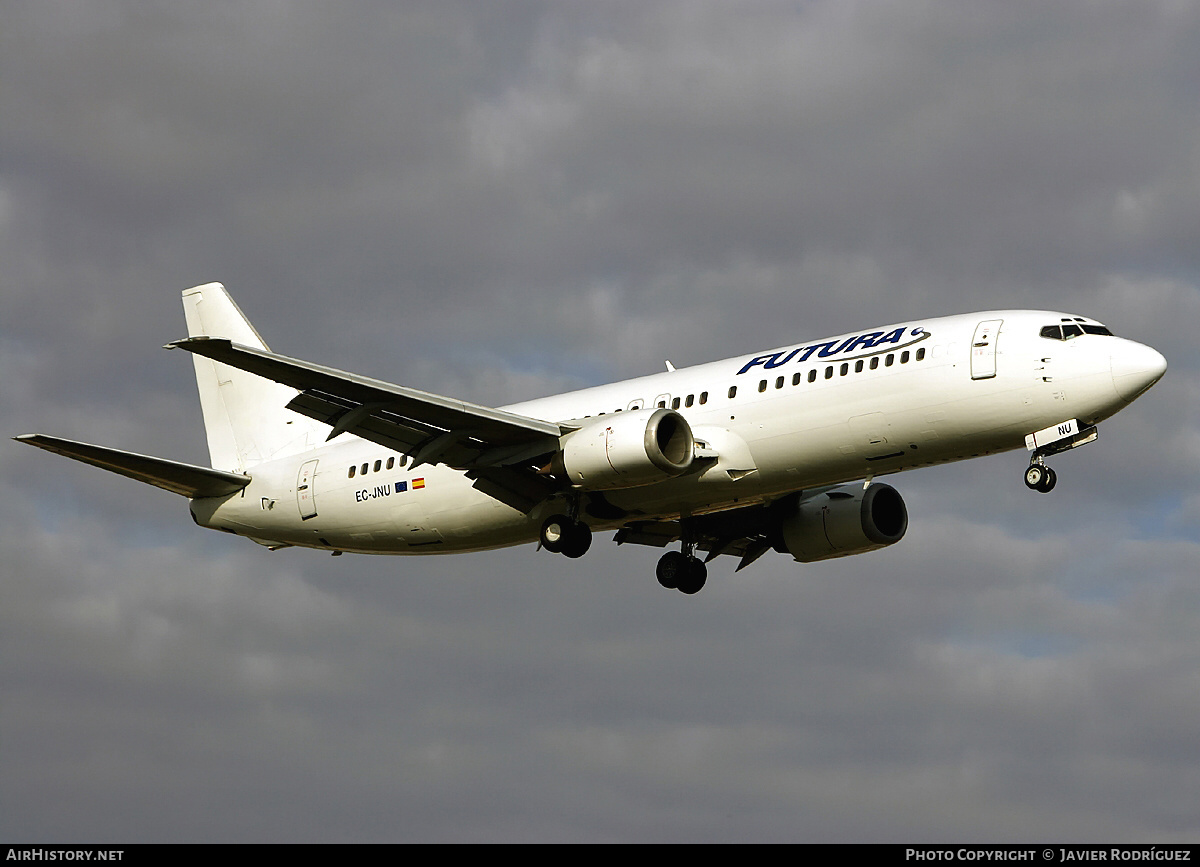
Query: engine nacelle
[
  {"x": 634, "y": 448},
  {"x": 844, "y": 521}
]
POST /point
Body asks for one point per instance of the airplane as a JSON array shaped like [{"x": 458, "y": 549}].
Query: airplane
[{"x": 778, "y": 450}]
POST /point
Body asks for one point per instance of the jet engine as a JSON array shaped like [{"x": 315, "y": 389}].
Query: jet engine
[
  {"x": 843, "y": 521},
  {"x": 634, "y": 448}
]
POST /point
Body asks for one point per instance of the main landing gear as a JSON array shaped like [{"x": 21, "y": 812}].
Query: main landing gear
[
  {"x": 1040, "y": 477},
  {"x": 563, "y": 535},
  {"x": 682, "y": 571}
]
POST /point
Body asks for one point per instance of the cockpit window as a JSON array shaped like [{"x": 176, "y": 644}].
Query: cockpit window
[{"x": 1070, "y": 329}]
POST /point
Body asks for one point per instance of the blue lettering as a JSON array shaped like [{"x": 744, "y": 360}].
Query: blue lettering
[
  {"x": 777, "y": 362},
  {"x": 809, "y": 350},
  {"x": 891, "y": 337},
  {"x": 825, "y": 353},
  {"x": 760, "y": 360},
  {"x": 864, "y": 341}
]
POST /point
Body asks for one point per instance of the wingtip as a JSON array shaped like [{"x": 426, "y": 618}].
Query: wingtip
[{"x": 189, "y": 342}]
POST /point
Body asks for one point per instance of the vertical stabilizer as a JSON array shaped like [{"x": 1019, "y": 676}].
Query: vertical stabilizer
[{"x": 244, "y": 415}]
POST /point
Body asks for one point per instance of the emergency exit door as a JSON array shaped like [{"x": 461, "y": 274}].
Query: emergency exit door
[
  {"x": 983, "y": 349},
  {"x": 304, "y": 490}
]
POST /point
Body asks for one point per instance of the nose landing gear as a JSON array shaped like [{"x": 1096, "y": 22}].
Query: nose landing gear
[{"x": 1040, "y": 477}]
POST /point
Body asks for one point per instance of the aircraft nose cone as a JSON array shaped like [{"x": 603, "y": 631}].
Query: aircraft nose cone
[{"x": 1135, "y": 368}]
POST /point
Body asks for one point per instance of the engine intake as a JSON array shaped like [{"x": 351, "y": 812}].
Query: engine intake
[
  {"x": 844, "y": 521},
  {"x": 634, "y": 448}
]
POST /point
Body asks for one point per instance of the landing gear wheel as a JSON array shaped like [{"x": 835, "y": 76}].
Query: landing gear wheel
[
  {"x": 1036, "y": 476},
  {"x": 555, "y": 532},
  {"x": 578, "y": 540},
  {"x": 1050, "y": 481},
  {"x": 672, "y": 567},
  {"x": 678, "y": 571},
  {"x": 693, "y": 580},
  {"x": 561, "y": 535}
]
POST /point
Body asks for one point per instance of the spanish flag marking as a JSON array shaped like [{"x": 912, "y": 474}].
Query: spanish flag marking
[{"x": 418, "y": 483}]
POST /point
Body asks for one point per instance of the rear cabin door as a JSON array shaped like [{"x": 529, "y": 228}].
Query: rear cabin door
[
  {"x": 983, "y": 349},
  {"x": 304, "y": 490}
]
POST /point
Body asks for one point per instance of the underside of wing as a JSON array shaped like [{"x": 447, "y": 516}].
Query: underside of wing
[
  {"x": 498, "y": 449},
  {"x": 747, "y": 533},
  {"x": 178, "y": 478}
]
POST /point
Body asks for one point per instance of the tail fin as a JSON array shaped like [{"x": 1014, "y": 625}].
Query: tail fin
[{"x": 244, "y": 415}]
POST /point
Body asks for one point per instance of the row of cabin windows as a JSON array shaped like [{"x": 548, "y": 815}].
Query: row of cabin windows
[
  {"x": 380, "y": 464},
  {"x": 687, "y": 401},
  {"x": 888, "y": 361},
  {"x": 675, "y": 403}
]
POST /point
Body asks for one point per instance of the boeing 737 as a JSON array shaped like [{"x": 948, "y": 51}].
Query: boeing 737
[{"x": 779, "y": 450}]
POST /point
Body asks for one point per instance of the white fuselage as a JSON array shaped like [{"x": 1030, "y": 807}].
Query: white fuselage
[{"x": 862, "y": 404}]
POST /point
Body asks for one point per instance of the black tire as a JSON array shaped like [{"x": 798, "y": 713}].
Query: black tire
[
  {"x": 555, "y": 533},
  {"x": 671, "y": 569},
  {"x": 1035, "y": 477},
  {"x": 1049, "y": 482},
  {"x": 695, "y": 577},
  {"x": 577, "y": 541}
]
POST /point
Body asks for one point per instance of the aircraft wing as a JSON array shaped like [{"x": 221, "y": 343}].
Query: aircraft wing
[
  {"x": 494, "y": 447},
  {"x": 747, "y": 532},
  {"x": 186, "y": 479}
]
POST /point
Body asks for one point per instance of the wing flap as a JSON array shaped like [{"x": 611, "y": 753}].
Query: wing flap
[{"x": 186, "y": 479}]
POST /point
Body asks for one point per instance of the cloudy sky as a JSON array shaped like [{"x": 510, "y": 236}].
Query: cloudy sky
[{"x": 507, "y": 199}]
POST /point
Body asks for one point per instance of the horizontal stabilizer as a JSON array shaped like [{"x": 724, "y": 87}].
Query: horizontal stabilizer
[{"x": 186, "y": 479}]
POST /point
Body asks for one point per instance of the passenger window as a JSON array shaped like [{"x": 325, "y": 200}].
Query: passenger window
[
  {"x": 732, "y": 392},
  {"x": 904, "y": 357},
  {"x": 662, "y": 404},
  {"x": 921, "y": 354},
  {"x": 845, "y": 369},
  {"x": 812, "y": 375},
  {"x": 779, "y": 382},
  {"x": 829, "y": 372},
  {"x": 364, "y": 469},
  {"x": 378, "y": 465},
  {"x": 874, "y": 362},
  {"x": 858, "y": 366},
  {"x": 689, "y": 400},
  {"x": 351, "y": 473},
  {"x": 703, "y": 398},
  {"x": 674, "y": 403},
  {"x": 795, "y": 379},
  {"x": 762, "y": 385},
  {"x": 391, "y": 462},
  {"x": 887, "y": 362}
]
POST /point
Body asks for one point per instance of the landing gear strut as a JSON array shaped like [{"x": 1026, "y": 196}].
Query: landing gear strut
[{"x": 562, "y": 535}]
